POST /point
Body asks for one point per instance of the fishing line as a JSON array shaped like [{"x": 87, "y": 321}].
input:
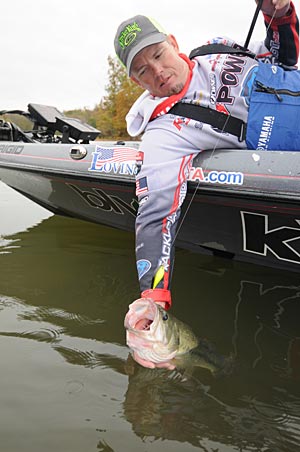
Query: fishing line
[{"x": 227, "y": 119}]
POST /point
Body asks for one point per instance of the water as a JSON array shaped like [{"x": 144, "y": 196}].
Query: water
[{"x": 67, "y": 382}]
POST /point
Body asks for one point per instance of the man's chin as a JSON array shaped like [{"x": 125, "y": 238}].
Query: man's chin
[
  {"x": 168, "y": 91},
  {"x": 176, "y": 89}
]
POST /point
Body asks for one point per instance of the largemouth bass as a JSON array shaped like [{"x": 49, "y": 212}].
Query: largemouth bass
[{"x": 158, "y": 339}]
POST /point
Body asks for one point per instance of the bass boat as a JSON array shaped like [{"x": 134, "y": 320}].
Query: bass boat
[{"x": 241, "y": 204}]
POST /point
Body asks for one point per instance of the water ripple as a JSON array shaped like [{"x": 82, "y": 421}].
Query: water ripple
[
  {"x": 41, "y": 335},
  {"x": 274, "y": 413},
  {"x": 6, "y": 245},
  {"x": 83, "y": 358},
  {"x": 53, "y": 314},
  {"x": 279, "y": 421},
  {"x": 9, "y": 302},
  {"x": 74, "y": 387}
]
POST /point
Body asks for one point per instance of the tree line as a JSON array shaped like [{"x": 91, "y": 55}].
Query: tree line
[{"x": 109, "y": 115}]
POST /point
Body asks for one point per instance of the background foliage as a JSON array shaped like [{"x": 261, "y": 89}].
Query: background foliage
[{"x": 109, "y": 115}]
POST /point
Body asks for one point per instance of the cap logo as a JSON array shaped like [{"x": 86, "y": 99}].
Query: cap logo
[{"x": 128, "y": 35}]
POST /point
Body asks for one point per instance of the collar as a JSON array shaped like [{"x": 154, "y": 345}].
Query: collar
[{"x": 168, "y": 103}]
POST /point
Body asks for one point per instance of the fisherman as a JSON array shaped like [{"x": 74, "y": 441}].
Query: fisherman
[{"x": 234, "y": 85}]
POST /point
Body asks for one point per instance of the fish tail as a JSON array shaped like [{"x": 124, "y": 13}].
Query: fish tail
[{"x": 226, "y": 367}]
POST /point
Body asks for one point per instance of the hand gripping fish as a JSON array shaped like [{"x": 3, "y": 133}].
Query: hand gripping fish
[{"x": 158, "y": 339}]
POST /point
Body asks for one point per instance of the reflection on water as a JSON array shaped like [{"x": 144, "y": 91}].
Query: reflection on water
[
  {"x": 17, "y": 212},
  {"x": 186, "y": 410},
  {"x": 68, "y": 382}
]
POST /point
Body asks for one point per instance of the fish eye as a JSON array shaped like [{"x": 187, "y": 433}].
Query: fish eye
[{"x": 165, "y": 317}]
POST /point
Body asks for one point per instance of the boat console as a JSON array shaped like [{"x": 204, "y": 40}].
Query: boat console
[{"x": 46, "y": 122}]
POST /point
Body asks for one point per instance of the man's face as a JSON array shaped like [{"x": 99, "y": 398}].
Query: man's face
[{"x": 159, "y": 68}]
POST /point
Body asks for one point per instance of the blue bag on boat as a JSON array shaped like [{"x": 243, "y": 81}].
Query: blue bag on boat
[{"x": 274, "y": 111}]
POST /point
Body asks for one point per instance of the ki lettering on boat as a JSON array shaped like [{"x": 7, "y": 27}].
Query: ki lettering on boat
[
  {"x": 98, "y": 199},
  {"x": 116, "y": 160},
  {"x": 11, "y": 149},
  {"x": 216, "y": 177},
  {"x": 260, "y": 239}
]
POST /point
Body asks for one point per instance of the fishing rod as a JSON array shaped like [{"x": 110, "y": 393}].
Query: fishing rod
[{"x": 254, "y": 20}]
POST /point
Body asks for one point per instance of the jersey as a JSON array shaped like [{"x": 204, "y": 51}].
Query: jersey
[{"x": 169, "y": 143}]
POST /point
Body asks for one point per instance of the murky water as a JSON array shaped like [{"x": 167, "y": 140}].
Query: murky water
[{"x": 67, "y": 382}]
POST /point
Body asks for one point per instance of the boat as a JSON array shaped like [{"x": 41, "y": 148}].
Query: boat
[{"x": 242, "y": 205}]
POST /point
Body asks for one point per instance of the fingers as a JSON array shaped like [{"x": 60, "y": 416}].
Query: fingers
[
  {"x": 143, "y": 362},
  {"x": 168, "y": 366},
  {"x": 279, "y": 7},
  {"x": 279, "y": 4},
  {"x": 150, "y": 365}
]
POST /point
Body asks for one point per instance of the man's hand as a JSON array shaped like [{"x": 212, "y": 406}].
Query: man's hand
[
  {"x": 150, "y": 365},
  {"x": 280, "y": 6}
]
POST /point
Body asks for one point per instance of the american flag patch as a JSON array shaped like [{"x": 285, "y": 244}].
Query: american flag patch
[
  {"x": 119, "y": 154},
  {"x": 141, "y": 186}
]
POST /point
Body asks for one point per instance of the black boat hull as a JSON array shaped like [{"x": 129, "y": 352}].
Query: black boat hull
[{"x": 243, "y": 205}]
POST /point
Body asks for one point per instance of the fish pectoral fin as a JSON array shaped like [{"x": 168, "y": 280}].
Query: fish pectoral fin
[{"x": 218, "y": 365}]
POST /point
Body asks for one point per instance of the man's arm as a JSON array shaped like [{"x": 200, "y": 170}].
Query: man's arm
[{"x": 282, "y": 31}]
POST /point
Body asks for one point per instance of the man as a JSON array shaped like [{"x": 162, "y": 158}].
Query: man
[{"x": 222, "y": 82}]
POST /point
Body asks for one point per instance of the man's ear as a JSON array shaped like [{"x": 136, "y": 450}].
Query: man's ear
[{"x": 172, "y": 40}]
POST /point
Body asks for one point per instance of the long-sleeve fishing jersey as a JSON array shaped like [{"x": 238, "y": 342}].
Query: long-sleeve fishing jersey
[{"x": 222, "y": 82}]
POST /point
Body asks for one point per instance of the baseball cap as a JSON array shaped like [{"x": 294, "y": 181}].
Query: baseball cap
[{"x": 135, "y": 34}]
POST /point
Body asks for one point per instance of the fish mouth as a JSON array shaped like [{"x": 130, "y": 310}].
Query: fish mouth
[
  {"x": 143, "y": 324},
  {"x": 141, "y": 315}
]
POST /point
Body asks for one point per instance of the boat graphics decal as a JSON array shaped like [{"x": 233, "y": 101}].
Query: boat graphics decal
[
  {"x": 216, "y": 177},
  {"x": 116, "y": 160},
  {"x": 11, "y": 149},
  {"x": 98, "y": 199},
  {"x": 259, "y": 238}
]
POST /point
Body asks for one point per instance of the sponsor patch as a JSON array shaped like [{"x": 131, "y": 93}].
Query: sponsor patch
[
  {"x": 143, "y": 266},
  {"x": 265, "y": 133},
  {"x": 141, "y": 186}
]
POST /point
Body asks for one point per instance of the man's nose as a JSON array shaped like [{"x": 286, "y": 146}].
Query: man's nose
[{"x": 157, "y": 69}]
